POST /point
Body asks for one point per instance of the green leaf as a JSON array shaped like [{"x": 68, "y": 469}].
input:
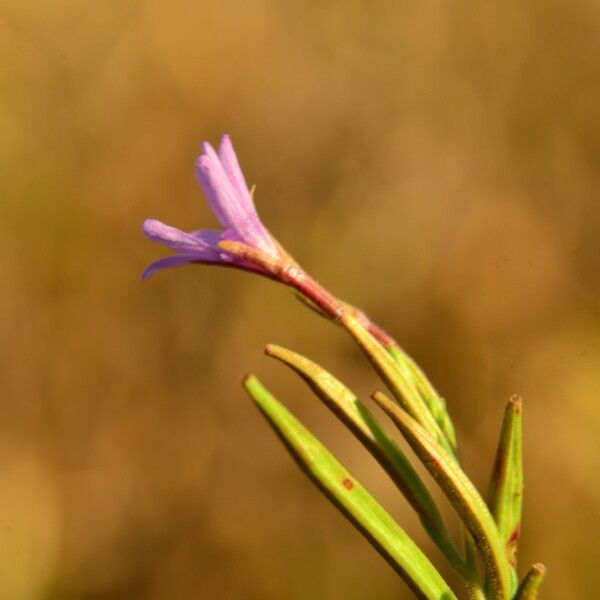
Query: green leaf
[
  {"x": 396, "y": 380},
  {"x": 506, "y": 485},
  {"x": 528, "y": 590},
  {"x": 357, "y": 417},
  {"x": 351, "y": 498},
  {"x": 435, "y": 403},
  {"x": 460, "y": 491}
]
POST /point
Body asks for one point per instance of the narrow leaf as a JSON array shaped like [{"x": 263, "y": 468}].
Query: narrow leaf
[
  {"x": 460, "y": 491},
  {"x": 366, "y": 514},
  {"x": 506, "y": 486},
  {"x": 528, "y": 590},
  {"x": 435, "y": 403},
  {"x": 398, "y": 383},
  {"x": 409, "y": 368},
  {"x": 357, "y": 417}
]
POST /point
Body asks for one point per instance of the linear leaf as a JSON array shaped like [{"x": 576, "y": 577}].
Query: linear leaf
[
  {"x": 506, "y": 485},
  {"x": 398, "y": 383},
  {"x": 351, "y": 498},
  {"x": 461, "y": 493},
  {"x": 436, "y": 404},
  {"x": 357, "y": 417}
]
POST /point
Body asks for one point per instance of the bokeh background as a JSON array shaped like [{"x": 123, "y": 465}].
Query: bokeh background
[{"x": 436, "y": 163}]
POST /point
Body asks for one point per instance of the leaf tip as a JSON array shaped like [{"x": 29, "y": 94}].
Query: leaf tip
[
  {"x": 249, "y": 380},
  {"x": 516, "y": 404},
  {"x": 271, "y": 349},
  {"x": 380, "y": 399},
  {"x": 539, "y": 569},
  {"x": 528, "y": 590}
]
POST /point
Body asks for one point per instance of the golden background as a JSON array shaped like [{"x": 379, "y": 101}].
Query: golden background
[{"x": 435, "y": 163}]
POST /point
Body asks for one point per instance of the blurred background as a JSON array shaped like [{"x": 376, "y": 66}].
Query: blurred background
[{"x": 437, "y": 164}]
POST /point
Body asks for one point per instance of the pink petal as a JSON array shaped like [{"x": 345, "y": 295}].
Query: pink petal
[
  {"x": 177, "y": 260},
  {"x": 230, "y": 163}
]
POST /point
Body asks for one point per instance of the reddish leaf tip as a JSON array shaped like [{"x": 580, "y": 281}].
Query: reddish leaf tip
[
  {"x": 539, "y": 568},
  {"x": 247, "y": 377},
  {"x": 517, "y": 403}
]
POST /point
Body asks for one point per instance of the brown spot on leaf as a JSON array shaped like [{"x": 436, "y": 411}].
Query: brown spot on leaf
[
  {"x": 513, "y": 541},
  {"x": 347, "y": 483}
]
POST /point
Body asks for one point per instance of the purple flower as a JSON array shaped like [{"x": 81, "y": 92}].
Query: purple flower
[{"x": 225, "y": 188}]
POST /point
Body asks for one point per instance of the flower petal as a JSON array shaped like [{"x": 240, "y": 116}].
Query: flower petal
[
  {"x": 165, "y": 234},
  {"x": 230, "y": 235},
  {"x": 209, "y": 237},
  {"x": 176, "y": 260},
  {"x": 234, "y": 210},
  {"x": 230, "y": 163},
  {"x": 215, "y": 183}
]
